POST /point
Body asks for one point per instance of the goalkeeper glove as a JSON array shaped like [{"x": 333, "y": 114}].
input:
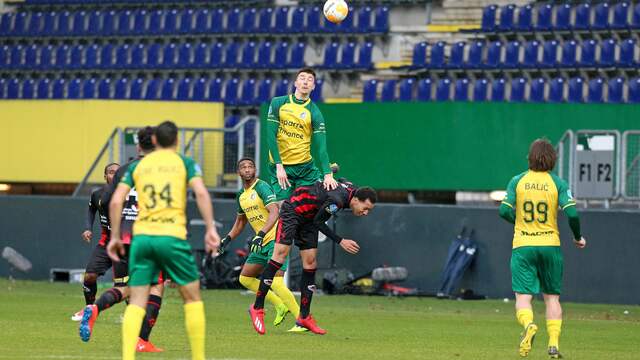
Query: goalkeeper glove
[
  {"x": 256, "y": 243},
  {"x": 223, "y": 244}
]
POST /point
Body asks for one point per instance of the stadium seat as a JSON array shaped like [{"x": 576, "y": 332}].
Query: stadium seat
[
  {"x": 635, "y": 17},
  {"x": 297, "y": 19},
  {"x": 46, "y": 57},
  {"x": 264, "y": 91},
  {"x": 569, "y": 51},
  {"x": 480, "y": 87},
  {"x": 365, "y": 54},
  {"x": 35, "y": 24},
  {"x": 109, "y": 23},
  {"x": 607, "y": 53},
  {"x": 264, "y": 55},
  {"x": 544, "y": 17},
  {"x": 582, "y": 17},
  {"x": 518, "y": 88},
  {"x": 283, "y": 87},
  {"x": 248, "y": 92},
  {"x": 556, "y": 90},
  {"x": 620, "y": 15},
  {"x": 43, "y": 87},
  {"x": 600, "y": 16},
  {"x": 3, "y": 87},
  {"x": 406, "y": 90},
  {"x": 419, "y": 58},
  {"x": 153, "y": 56},
  {"x": 531, "y": 51},
  {"x": 139, "y": 22},
  {"x": 79, "y": 23},
  {"x": 627, "y": 53},
  {"x": 497, "y": 90},
  {"x": 62, "y": 57},
  {"x": 316, "y": 95},
  {"x": 104, "y": 89},
  {"x": 512, "y": 55},
  {"x": 388, "y": 93},
  {"x": 136, "y": 90},
  {"x": 167, "y": 90},
  {"x": 201, "y": 22},
  {"x": 381, "y": 23},
  {"x": 265, "y": 18},
  {"x": 231, "y": 55},
  {"x": 424, "y": 90},
  {"x": 281, "y": 23},
  {"x": 20, "y": 25},
  {"x": 331, "y": 56},
  {"x": 436, "y": 60},
  {"x": 443, "y": 90},
  {"x": 231, "y": 92},
  {"x": 16, "y": 59},
  {"x": 89, "y": 88},
  {"x": 28, "y": 89},
  {"x": 217, "y": 21},
  {"x": 215, "y": 55},
  {"x": 281, "y": 56},
  {"x": 124, "y": 25},
  {"x": 5, "y": 23},
  {"x": 49, "y": 23},
  {"x": 588, "y": 53},
  {"x": 596, "y": 90},
  {"x": 63, "y": 28},
  {"x": 200, "y": 55},
  {"x": 248, "y": 55},
  {"x": 13, "y": 89},
  {"x": 91, "y": 56},
  {"x": 215, "y": 90},
  {"x": 369, "y": 91},
  {"x": 31, "y": 56},
  {"x": 106, "y": 56},
  {"x": 152, "y": 89},
  {"x": 456, "y": 59},
  {"x": 122, "y": 56},
  {"x": 186, "y": 21},
  {"x": 576, "y": 90},
  {"x": 296, "y": 60},
  {"x": 94, "y": 22},
  {"x": 525, "y": 18},
  {"x": 364, "y": 19},
  {"x": 314, "y": 15},
  {"x": 494, "y": 55},
  {"x": 121, "y": 91},
  {"x": 489, "y": 18},
  {"x": 75, "y": 56},
  {"x": 170, "y": 22},
  {"x": 474, "y": 58},
  {"x": 347, "y": 25},
  {"x": 615, "y": 90},
  {"x": 199, "y": 89},
  {"x": 169, "y": 56},
  {"x": 4, "y": 55},
  {"x": 233, "y": 21},
  {"x": 184, "y": 89},
  {"x": 549, "y": 54},
  {"x": 137, "y": 57},
  {"x": 461, "y": 91},
  {"x": 507, "y": 13},
  {"x": 348, "y": 58},
  {"x": 536, "y": 93},
  {"x": 563, "y": 17},
  {"x": 634, "y": 91},
  {"x": 155, "y": 21}
]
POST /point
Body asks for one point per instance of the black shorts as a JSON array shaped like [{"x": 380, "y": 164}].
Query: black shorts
[
  {"x": 99, "y": 262},
  {"x": 294, "y": 228}
]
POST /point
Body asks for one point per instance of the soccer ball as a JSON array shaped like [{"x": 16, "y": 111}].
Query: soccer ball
[{"x": 335, "y": 10}]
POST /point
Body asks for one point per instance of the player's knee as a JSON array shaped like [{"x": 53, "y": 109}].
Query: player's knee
[
  {"x": 280, "y": 253},
  {"x": 90, "y": 278},
  {"x": 309, "y": 263}
]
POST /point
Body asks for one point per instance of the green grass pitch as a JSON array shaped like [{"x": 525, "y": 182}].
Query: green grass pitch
[{"x": 35, "y": 324}]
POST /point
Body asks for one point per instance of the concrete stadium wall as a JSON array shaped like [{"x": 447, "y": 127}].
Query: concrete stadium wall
[{"x": 47, "y": 231}]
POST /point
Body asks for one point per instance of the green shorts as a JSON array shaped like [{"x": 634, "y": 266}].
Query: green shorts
[
  {"x": 263, "y": 257},
  {"x": 299, "y": 175},
  {"x": 151, "y": 254},
  {"x": 536, "y": 268}
]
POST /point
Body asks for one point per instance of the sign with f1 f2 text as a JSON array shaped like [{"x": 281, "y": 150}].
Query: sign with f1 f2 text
[{"x": 594, "y": 174}]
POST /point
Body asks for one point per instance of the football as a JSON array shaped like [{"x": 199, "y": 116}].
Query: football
[{"x": 335, "y": 11}]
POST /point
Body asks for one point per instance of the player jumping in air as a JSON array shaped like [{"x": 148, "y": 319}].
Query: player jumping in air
[
  {"x": 294, "y": 126},
  {"x": 301, "y": 217},
  {"x": 257, "y": 206},
  {"x": 159, "y": 235},
  {"x": 531, "y": 203}
]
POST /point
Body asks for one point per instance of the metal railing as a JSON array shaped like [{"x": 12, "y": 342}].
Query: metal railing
[{"x": 630, "y": 164}]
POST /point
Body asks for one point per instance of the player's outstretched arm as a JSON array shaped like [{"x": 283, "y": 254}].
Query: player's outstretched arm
[
  {"x": 88, "y": 225},
  {"x": 238, "y": 226},
  {"x": 115, "y": 247},
  {"x": 203, "y": 200}
]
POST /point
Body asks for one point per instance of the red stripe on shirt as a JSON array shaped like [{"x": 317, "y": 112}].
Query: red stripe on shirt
[
  {"x": 302, "y": 196},
  {"x": 306, "y": 208}
]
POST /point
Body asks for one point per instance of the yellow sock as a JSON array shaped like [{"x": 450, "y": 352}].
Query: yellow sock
[
  {"x": 194, "y": 321},
  {"x": 554, "y": 328},
  {"x": 253, "y": 284},
  {"x": 525, "y": 317},
  {"x": 131, "y": 325},
  {"x": 286, "y": 295}
]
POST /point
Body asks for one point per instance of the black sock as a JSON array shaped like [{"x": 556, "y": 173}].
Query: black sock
[
  {"x": 153, "y": 309},
  {"x": 89, "y": 289},
  {"x": 307, "y": 288},
  {"x": 265, "y": 283},
  {"x": 109, "y": 298}
]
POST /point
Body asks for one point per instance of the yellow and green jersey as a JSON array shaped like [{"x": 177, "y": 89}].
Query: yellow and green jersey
[
  {"x": 293, "y": 128},
  {"x": 252, "y": 203},
  {"x": 535, "y": 197},
  {"x": 161, "y": 180}
]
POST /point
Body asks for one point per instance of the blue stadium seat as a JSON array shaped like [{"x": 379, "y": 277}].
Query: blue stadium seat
[
  {"x": 364, "y": 19},
  {"x": 5, "y": 23},
  {"x": 231, "y": 92},
  {"x": 347, "y": 25},
  {"x": 549, "y": 54},
  {"x": 109, "y": 23},
  {"x": 16, "y": 59},
  {"x": 525, "y": 18},
  {"x": 170, "y": 23},
  {"x": 569, "y": 52},
  {"x": 424, "y": 90},
  {"x": 480, "y": 89},
  {"x": 62, "y": 57},
  {"x": 168, "y": 89},
  {"x": 215, "y": 55},
  {"x": 607, "y": 53},
  {"x": 155, "y": 21},
  {"x": 518, "y": 87},
  {"x": 283, "y": 87},
  {"x": 297, "y": 19},
  {"x": 512, "y": 55},
  {"x": 248, "y": 92},
  {"x": 35, "y": 24},
  {"x": 348, "y": 59},
  {"x": 13, "y": 89},
  {"x": 556, "y": 90},
  {"x": 264, "y": 55},
  {"x": 122, "y": 56},
  {"x": 184, "y": 89},
  {"x": 231, "y": 55},
  {"x": 436, "y": 60},
  {"x": 215, "y": 90},
  {"x": 563, "y": 17},
  {"x": 474, "y": 59},
  {"x": 635, "y": 17},
  {"x": 489, "y": 18},
  {"x": 200, "y": 55},
  {"x": 316, "y": 94},
  {"x": 152, "y": 89},
  {"x": 461, "y": 91},
  {"x": 20, "y": 23},
  {"x": 201, "y": 22},
  {"x": 314, "y": 14},
  {"x": 634, "y": 91},
  {"x": 615, "y": 90},
  {"x": 545, "y": 15},
  {"x": 281, "y": 56},
  {"x": 381, "y": 24},
  {"x": 136, "y": 90},
  {"x": 76, "y": 56},
  {"x": 388, "y": 93},
  {"x": 331, "y": 55},
  {"x": 456, "y": 59},
  {"x": 627, "y": 53},
  {"x": 369, "y": 91},
  {"x": 28, "y": 89},
  {"x": 248, "y": 56},
  {"x": 95, "y": 22},
  {"x": 600, "y": 16},
  {"x": 50, "y": 22},
  {"x": 620, "y": 15},
  {"x": 124, "y": 26},
  {"x": 265, "y": 18},
  {"x": 169, "y": 56},
  {"x": 79, "y": 23},
  {"x": 281, "y": 23},
  {"x": 497, "y": 90},
  {"x": 31, "y": 57},
  {"x": 494, "y": 54},
  {"x": 185, "y": 59},
  {"x": 139, "y": 22},
  {"x": 121, "y": 91},
  {"x": 588, "y": 53},
  {"x": 89, "y": 88},
  {"x": 419, "y": 59},
  {"x": 507, "y": 13},
  {"x": 91, "y": 56},
  {"x": 5, "y": 52},
  {"x": 137, "y": 56},
  {"x": 106, "y": 56},
  {"x": 443, "y": 89},
  {"x": 217, "y": 21},
  {"x": 536, "y": 93},
  {"x": 596, "y": 91},
  {"x": 365, "y": 54},
  {"x": 43, "y": 88},
  {"x": 233, "y": 20},
  {"x": 297, "y": 55},
  {"x": 46, "y": 57},
  {"x": 531, "y": 51},
  {"x": 576, "y": 90},
  {"x": 264, "y": 91},
  {"x": 199, "y": 89},
  {"x": 3, "y": 86},
  {"x": 582, "y": 17},
  {"x": 406, "y": 90},
  {"x": 186, "y": 21},
  {"x": 104, "y": 89}
]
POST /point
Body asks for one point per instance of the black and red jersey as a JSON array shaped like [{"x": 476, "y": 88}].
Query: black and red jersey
[
  {"x": 95, "y": 205},
  {"x": 130, "y": 209}
]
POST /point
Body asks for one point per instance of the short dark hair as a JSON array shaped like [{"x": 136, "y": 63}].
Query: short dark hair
[
  {"x": 307, "y": 71},
  {"x": 166, "y": 134},
  {"x": 144, "y": 138},
  {"x": 366, "y": 193},
  {"x": 245, "y": 159},
  {"x": 542, "y": 155},
  {"x": 108, "y": 166}
]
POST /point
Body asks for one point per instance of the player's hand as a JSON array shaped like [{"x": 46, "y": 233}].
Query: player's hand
[
  {"x": 255, "y": 245},
  {"x": 580, "y": 244},
  {"x": 329, "y": 182},
  {"x": 223, "y": 244},
  {"x": 115, "y": 249},
  {"x": 87, "y": 235},
  {"x": 350, "y": 246},
  {"x": 283, "y": 180},
  {"x": 211, "y": 241}
]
